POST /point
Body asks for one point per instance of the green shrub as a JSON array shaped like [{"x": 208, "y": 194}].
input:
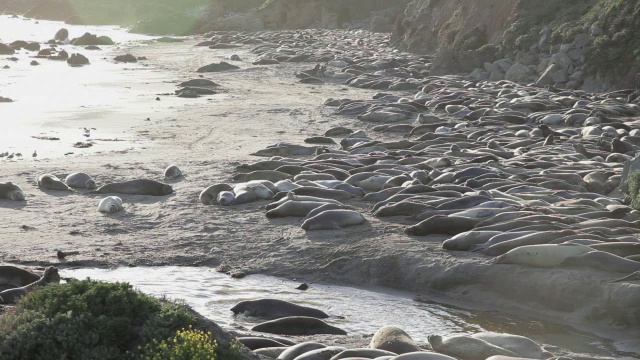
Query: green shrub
[
  {"x": 87, "y": 320},
  {"x": 634, "y": 188},
  {"x": 185, "y": 345}
]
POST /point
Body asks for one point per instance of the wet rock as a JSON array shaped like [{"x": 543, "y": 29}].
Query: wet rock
[
  {"x": 5, "y": 100},
  {"x": 6, "y": 50},
  {"x": 128, "y": 58},
  {"x": 61, "y": 35},
  {"x": 219, "y": 67},
  {"x": 77, "y": 60},
  {"x": 91, "y": 39}
]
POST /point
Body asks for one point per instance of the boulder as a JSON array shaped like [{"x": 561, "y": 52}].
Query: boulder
[
  {"x": 222, "y": 66},
  {"x": 62, "y": 35},
  {"x": 128, "y": 58},
  {"x": 519, "y": 73},
  {"x": 547, "y": 78},
  {"x": 6, "y": 50},
  {"x": 77, "y": 60},
  {"x": 91, "y": 39}
]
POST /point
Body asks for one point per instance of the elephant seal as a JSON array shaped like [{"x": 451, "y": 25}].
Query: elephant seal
[
  {"x": 271, "y": 175},
  {"x": 445, "y": 225},
  {"x": 270, "y": 352},
  {"x": 80, "y": 181},
  {"x": 468, "y": 240},
  {"x": 13, "y": 277},
  {"x": 209, "y": 195},
  {"x": 323, "y": 208},
  {"x": 333, "y": 219},
  {"x": 136, "y": 187},
  {"x": 537, "y": 238},
  {"x": 604, "y": 261},
  {"x": 225, "y": 198},
  {"x": 254, "y": 343},
  {"x": 466, "y": 347},
  {"x": 172, "y": 172},
  {"x": 633, "y": 277},
  {"x": 110, "y": 205},
  {"x": 322, "y": 354},
  {"x": 622, "y": 249},
  {"x": 274, "y": 309},
  {"x": 11, "y": 191},
  {"x": 51, "y": 182},
  {"x": 421, "y": 355},
  {"x": 520, "y": 345},
  {"x": 393, "y": 339},
  {"x": 299, "y": 349},
  {"x": 10, "y": 296},
  {"x": 333, "y": 194},
  {"x": 363, "y": 353},
  {"x": 290, "y": 196},
  {"x": 545, "y": 256},
  {"x": 294, "y": 208},
  {"x": 298, "y": 325}
]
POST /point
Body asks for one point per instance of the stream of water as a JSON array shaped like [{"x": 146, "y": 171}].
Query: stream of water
[{"x": 356, "y": 310}]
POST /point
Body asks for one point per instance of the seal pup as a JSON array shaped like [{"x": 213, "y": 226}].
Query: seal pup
[
  {"x": 466, "y": 347},
  {"x": 209, "y": 195},
  {"x": 10, "y": 296},
  {"x": 333, "y": 219},
  {"x": 274, "y": 309},
  {"x": 136, "y": 187},
  {"x": 298, "y": 325},
  {"x": 80, "y": 181},
  {"x": 394, "y": 339},
  {"x": 51, "y": 182},
  {"x": 172, "y": 172},
  {"x": 11, "y": 191},
  {"x": 110, "y": 205}
]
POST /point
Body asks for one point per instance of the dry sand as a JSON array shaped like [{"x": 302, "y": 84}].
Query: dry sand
[{"x": 207, "y": 137}]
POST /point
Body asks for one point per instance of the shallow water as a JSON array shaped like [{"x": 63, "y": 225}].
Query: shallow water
[
  {"x": 55, "y": 99},
  {"x": 356, "y": 310}
]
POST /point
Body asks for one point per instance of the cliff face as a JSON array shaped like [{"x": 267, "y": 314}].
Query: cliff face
[
  {"x": 590, "y": 44},
  {"x": 428, "y": 25}
]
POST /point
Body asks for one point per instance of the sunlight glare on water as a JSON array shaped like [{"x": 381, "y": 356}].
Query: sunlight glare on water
[{"x": 55, "y": 99}]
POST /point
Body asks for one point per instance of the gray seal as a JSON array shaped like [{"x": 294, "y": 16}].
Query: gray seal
[
  {"x": 298, "y": 325},
  {"x": 80, "y": 181},
  {"x": 51, "y": 182},
  {"x": 136, "y": 187},
  {"x": 10, "y": 296},
  {"x": 274, "y": 309},
  {"x": 11, "y": 191}
]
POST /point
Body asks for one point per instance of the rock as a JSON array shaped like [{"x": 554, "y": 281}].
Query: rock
[
  {"x": 34, "y": 63},
  {"x": 394, "y": 339},
  {"x": 6, "y": 50},
  {"x": 545, "y": 37},
  {"x": 34, "y": 46},
  {"x": 543, "y": 65},
  {"x": 190, "y": 94},
  {"x": 74, "y": 20},
  {"x": 576, "y": 54},
  {"x": 595, "y": 30},
  {"x": 504, "y": 64},
  {"x": 547, "y": 78},
  {"x": 5, "y": 100},
  {"x": 77, "y": 60},
  {"x": 61, "y": 35},
  {"x": 222, "y": 66},
  {"x": 496, "y": 73},
  {"x": 519, "y": 73},
  {"x": 561, "y": 59},
  {"x": 128, "y": 58},
  {"x": 560, "y": 76},
  {"x": 92, "y": 47},
  {"x": 90, "y": 39},
  {"x": 198, "y": 82},
  {"x": 581, "y": 40}
]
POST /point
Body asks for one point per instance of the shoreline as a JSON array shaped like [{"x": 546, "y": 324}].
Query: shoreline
[{"x": 207, "y": 139}]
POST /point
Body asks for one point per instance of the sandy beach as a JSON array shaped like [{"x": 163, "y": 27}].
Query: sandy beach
[{"x": 137, "y": 136}]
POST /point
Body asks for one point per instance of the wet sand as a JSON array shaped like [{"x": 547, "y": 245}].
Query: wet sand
[{"x": 207, "y": 137}]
